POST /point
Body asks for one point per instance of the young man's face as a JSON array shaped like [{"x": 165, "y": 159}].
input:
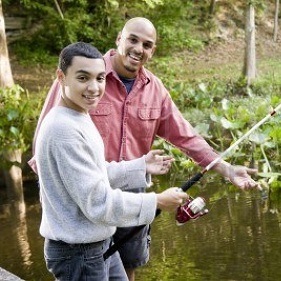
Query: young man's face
[
  {"x": 135, "y": 46},
  {"x": 84, "y": 83}
]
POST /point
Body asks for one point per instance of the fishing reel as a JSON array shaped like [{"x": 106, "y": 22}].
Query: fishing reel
[{"x": 192, "y": 209}]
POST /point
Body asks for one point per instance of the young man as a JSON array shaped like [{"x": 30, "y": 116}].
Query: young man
[
  {"x": 135, "y": 108},
  {"x": 80, "y": 210}
]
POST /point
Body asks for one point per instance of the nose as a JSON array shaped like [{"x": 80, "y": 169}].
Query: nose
[
  {"x": 138, "y": 48},
  {"x": 93, "y": 86}
]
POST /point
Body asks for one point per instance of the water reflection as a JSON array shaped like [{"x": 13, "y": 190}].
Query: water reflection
[
  {"x": 15, "y": 213},
  {"x": 239, "y": 239},
  {"x": 17, "y": 221}
]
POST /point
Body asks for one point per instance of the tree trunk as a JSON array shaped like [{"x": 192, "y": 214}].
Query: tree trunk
[
  {"x": 212, "y": 7},
  {"x": 249, "y": 70},
  {"x": 275, "y": 30},
  {"x": 6, "y": 77},
  {"x": 13, "y": 176}
]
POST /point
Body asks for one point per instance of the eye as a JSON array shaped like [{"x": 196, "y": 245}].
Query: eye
[
  {"x": 133, "y": 40},
  {"x": 101, "y": 79},
  {"x": 82, "y": 78},
  {"x": 147, "y": 46}
]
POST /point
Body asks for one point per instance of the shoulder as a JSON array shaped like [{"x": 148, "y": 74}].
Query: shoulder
[
  {"x": 152, "y": 78},
  {"x": 154, "y": 84},
  {"x": 62, "y": 123}
]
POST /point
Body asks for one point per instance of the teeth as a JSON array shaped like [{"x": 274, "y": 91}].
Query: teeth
[
  {"x": 90, "y": 97},
  {"x": 135, "y": 57}
]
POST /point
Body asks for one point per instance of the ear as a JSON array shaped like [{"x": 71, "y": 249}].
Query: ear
[
  {"x": 60, "y": 76},
  {"x": 152, "y": 52},
  {"x": 118, "y": 38}
]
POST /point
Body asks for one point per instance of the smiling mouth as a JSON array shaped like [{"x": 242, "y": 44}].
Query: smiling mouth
[
  {"x": 135, "y": 58},
  {"x": 91, "y": 97}
]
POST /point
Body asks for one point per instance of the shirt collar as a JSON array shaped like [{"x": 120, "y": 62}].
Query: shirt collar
[{"x": 142, "y": 75}]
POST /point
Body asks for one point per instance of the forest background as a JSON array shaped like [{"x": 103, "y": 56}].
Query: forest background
[{"x": 200, "y": 58}]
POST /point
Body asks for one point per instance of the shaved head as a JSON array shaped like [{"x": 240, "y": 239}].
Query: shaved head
[{"x": 141, "y": 24}]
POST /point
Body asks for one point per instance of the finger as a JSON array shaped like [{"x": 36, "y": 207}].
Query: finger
[
  {"x": 168, "y": 158},
  {"x": 251, "y": 171},
  {"x": 157, "y": 152}
]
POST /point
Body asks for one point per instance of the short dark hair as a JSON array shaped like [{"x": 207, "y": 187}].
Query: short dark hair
[{"x": 77, "y": 49}]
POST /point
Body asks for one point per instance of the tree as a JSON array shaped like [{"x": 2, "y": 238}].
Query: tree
[
  {"x": 212, "y": 7},
  {"x": 13, "y": 174},
  {"x": 275, "y": 30},
  {"x": 249, "y": 69},
  {"x": 6, "y": 77}
]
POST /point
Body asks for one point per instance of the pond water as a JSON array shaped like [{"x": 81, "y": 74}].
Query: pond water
[{"x": 238, "y": 240}]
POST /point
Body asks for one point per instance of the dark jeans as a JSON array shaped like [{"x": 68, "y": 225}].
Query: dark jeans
[{"x": 82, "y": 262}]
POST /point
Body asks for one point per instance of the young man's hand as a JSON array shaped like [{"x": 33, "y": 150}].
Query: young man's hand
[
  {"x": 170, "y": 199},
  {"x": 156, "y": 163}
]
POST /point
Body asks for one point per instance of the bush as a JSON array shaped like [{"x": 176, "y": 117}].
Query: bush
[{"x": 18, "y": 115}]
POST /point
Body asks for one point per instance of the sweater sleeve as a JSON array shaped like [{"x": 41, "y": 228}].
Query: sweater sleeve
[{"x": 128, "y": 175}]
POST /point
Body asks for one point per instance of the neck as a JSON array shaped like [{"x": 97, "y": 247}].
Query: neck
[
  {"x": 120, "y": 69},
  {"x": 64, "y": 101}
]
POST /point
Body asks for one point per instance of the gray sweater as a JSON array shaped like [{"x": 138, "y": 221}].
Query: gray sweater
[{"x": 78, "y": 203}]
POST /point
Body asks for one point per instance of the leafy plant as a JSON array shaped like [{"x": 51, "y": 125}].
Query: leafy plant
[{"x": 18, "y": 113}]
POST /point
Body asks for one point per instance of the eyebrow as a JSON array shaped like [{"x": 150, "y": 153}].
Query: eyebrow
[{"x": 81, "y": 71}]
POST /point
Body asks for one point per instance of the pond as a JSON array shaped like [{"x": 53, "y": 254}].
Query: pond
[{"x": 238, "y": 240}]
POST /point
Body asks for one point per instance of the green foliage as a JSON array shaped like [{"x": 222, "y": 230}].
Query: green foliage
[
  {"x": 18, "y": 113},
  {"x": 90, "y": 21},
  {"x": 175, "y": 21},
  {"x": 12, "y": 118},
  {"x": 98, "y": 22},
  {"x": 182, "y": 163}
]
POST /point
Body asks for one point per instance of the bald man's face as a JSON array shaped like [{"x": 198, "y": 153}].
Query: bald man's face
[{"x": 135, "y": 46}]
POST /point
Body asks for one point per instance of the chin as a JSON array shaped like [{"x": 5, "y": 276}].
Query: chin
[{"x": 132, "y": 69}]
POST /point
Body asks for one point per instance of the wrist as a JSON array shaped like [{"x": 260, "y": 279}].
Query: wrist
[
  {"x": 159, "y": 201},
  {"x": 224, "y": 168}
]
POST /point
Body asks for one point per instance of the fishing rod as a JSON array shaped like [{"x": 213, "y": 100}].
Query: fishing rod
[{"x": 193, "y": 208}]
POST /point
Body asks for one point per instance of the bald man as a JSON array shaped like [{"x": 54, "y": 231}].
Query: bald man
[{"x": 135, "y": 108}]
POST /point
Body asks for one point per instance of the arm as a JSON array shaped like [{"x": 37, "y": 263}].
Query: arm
[
  {"x": 179, "y": 132},
  {"x": 136, "y": 173},
  {"x": 185, "y": 138},
  {"x": 237, "y": 175},
  {"x": 85, "y": 180}
]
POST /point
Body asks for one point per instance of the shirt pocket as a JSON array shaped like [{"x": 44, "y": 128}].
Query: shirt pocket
[
  {"x": 148, "y": 121},
  {"x": 149, "y": 113}
]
